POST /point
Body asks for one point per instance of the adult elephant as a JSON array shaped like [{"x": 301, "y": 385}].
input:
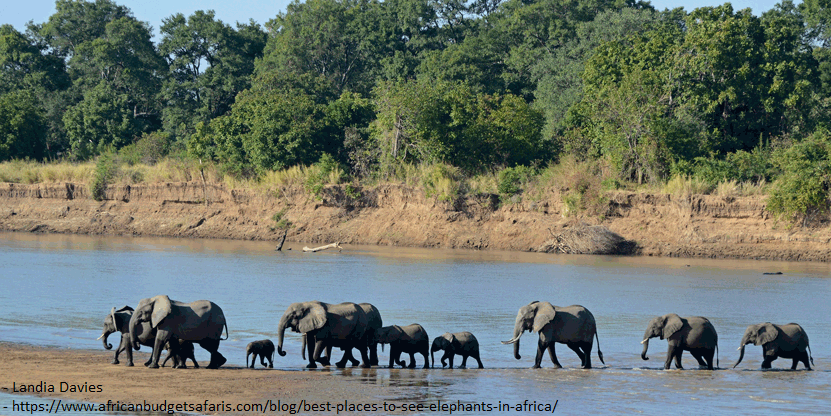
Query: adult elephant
[
  {"x": 343, "y": 325},
  {"x": 374, "y": 323},
  {"x": 571, "y": 325},
  {"x": 201, "y": 322},
  {"x": 786, "y": 341},
  {"x": 119, "y": 321},
  {"x": 694, "y": 334}
]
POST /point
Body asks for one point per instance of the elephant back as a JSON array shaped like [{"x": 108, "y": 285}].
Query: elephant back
[
  {"x": 349, "y": 319},
  {"x": 468, "y": 341},
  {"x": 573, "y": 324}
]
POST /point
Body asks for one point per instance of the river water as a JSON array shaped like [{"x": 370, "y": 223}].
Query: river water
[{"x": 57, "y": 289}]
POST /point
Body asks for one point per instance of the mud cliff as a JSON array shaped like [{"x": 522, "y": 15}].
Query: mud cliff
[{"x": 662, "y": 225}]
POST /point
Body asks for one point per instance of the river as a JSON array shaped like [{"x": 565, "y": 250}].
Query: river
[{"x": 57, "y": 289}]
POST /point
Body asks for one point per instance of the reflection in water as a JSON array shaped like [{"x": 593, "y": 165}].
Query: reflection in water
[{"x": 57, "y": 289}]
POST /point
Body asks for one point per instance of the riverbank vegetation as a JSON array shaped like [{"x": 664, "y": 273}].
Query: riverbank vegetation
[{"x": 506, "y": 97}]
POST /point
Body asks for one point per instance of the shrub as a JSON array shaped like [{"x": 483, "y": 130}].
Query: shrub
[
  {"x": 105, "y": 171},
  {"x": 801, "y": 191},
  {"x": 514, "y": 180}
]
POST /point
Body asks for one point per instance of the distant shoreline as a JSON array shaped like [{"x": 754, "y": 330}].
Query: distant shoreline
[{"x": 704, "y": 226}]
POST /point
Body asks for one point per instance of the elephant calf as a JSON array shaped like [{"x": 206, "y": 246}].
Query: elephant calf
[
  {"x": 462, "y": 343},
  {"x": 264, "y": 348},
  {"x": 410, "y": 339},
  {"x": 786, "y": 341},
  {"x": 180, "y": 351},
  {"x": 694, "y": 334}
]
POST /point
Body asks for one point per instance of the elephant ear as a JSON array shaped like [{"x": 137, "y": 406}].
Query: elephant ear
[
  {"x": 313, "y": 319},
  {"x": 455, "y": 344},
  {"x": 125, "y": 308},
  {"x": 765, "y": 333},
  {"x": 161, "y": 309},
  {"x": 545, "y": 314},
  {"x": 671, "y": 325}
]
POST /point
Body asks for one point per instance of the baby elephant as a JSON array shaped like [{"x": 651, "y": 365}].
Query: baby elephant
[
  {"x": 462, "y": 343},
  {"x": 410, "y": 339},
  {"x": 786, "y": 341},
  {"x": 180, "y": 351},
  {"x": 264, "y": 348},
  {"x": 694, "y": 334}
]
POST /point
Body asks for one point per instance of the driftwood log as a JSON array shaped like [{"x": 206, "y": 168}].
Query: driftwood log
[
  {"x": 282, "y": 240},
  {"x": 328, "y": 246}
]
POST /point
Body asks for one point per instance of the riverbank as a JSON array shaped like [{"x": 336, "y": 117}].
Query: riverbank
[
  {"x": 398, "y": 215},
  {"x": 88, "y": 376}
]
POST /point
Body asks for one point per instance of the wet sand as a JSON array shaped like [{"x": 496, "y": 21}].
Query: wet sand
[{"x": 228, "y": 387}]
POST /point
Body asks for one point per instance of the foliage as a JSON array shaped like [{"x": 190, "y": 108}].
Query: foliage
[
  {"x": 280, "y": 221},
  {"x": 802, "y": 188},
  {"x": 514, "y": 180},
  {"x": 105, "y": 172},
  {"x": 326, "y": 171},
  {"x": 148, "y": 149},
  {"x": 22, "y": 127}
]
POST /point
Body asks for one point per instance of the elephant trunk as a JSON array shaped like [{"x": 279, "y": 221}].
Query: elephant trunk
[
  {"x": 104, "y": 337},
  {"x": 134, "y": 332},
  {"x": 247, "y": 353},
  {"x": 645, "y": 343},
  {"x": 515, "y": 340},
  {"x": 432, "y": 358},
  {"x": 303, "y": 349},
  {"x": 282, "y": 332},
  {"x": 741, "y": 356}
]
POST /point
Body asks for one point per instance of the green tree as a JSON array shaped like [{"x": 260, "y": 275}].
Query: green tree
[
  {"x": 22, "y": 127},
  {"x": 802, "y": 188},
  {"x": 101, "y": 120},
  {"x": 210, "y": 63}
]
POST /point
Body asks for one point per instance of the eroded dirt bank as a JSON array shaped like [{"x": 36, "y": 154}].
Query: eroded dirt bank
[{"x": 662, "y": 225}]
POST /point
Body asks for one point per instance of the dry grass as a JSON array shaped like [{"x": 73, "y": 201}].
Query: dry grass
[
  {"x": 681, "y": 185},
  {"x": 19, "y": 171}
]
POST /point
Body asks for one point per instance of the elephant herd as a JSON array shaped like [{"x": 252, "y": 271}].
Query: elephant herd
[{"x": 162, "y": 323}]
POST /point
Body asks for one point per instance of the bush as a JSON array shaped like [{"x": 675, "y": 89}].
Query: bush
[
  {"x": 326, "y": 171},
  {"x": 801, "y": 191},
  {"x": 149, "y": 149},
  {"x": 514, "y": 180},
  {"x": 105, "y": 171}
]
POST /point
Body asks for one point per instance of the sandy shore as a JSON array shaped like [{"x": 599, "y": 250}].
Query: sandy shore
[{"x": 230, "y": 388}]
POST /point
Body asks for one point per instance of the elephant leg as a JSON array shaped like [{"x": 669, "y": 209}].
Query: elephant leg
[
  {"x": 347, "y": 356},
  {"x": 795, "y": 362},
  {"x": 670, "y": 356},
  {"x": 162, "y": 336},
  {"x": 212, "y": 346},
  {"x": 426, "y": 354},
  {"x": 464, "y": 361},
  {"x": 262, "y": 359},
  {"x": 586, "y": 347},
  {"x": 678, "y": 352},
  {"x": 373, "y": 354},
  {"x": 366, "y": 363},
  {"x": 576, "y": 348},
  {"x": 805, "y": 360},
  {"x": 450, "y": 358},
  {"x": 412, "y": 360},
  {"x": 699, "y": 357},
  {"x": 553, "y": 354},
  {"x": 766, "y": 362},
  {"x": 315, "y": 349},
  {"x": 128, "y": 349},
  {"x": 476, "y": 356},
  {"x": 248, "y": 354}
]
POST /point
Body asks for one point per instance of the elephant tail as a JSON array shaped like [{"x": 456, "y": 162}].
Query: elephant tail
[
  {"x": 810, "y": 355},
  {"x": 717, "y": 355},
  {"x": 227, "y": 334},
  {"x": 599, "y": 353}
]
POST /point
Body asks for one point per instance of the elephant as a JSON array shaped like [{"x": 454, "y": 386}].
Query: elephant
[
  {"x": 374, "y": 323},
  {"x": 180, "y": 351},
  {"x": 200, "y": 321},
  {"x": 462, "y": 343},
  {"x": 410, "y": 339},
  {"x": 119, "y": 321},
  {"x": 341, "y": 325},
  {"x": 264, "y": 348},
  {"x": 694, "y": 334},
  {"x": 571, "y": 325},
  {"x": 786, "y": 341}
]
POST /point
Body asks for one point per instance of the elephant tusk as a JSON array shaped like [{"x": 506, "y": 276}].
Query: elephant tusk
[
  {"x": 644, "y": 341},
  {"x": 102, "y": 336},
  {"x": 739, "y": 349}
]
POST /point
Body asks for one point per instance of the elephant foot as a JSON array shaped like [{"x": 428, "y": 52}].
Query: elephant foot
[
  {"x": 129, "y": 364},
  {"x": 311, "y": 365},
  {"x": 538, "y": 366},
  {"x": 218, "y": 362},
  {"x": 462, "y": 366},
  {"x": 153, "y": 365},
  {"x": 324, "y": 361},
  {"x": 340, "y": 365},
  {"x": 114, "y": 361},
  {"x": 365, "y": 366},
  {"x": 271, "y": 366}
]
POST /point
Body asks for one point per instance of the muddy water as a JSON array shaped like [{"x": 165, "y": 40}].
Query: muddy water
[{"x": 56, "y": 290}]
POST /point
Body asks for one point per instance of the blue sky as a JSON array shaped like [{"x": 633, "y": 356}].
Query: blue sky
[{"x": 19, "y": 12}]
